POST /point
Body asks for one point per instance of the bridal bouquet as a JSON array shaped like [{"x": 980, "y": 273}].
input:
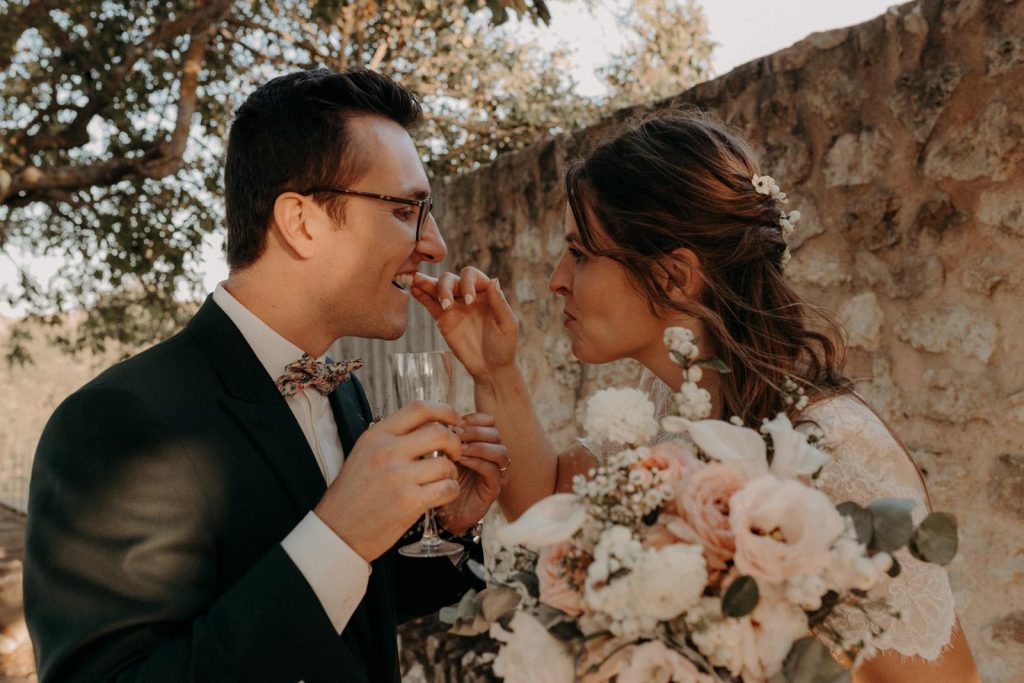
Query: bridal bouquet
[{"x": 707, "y": 557}]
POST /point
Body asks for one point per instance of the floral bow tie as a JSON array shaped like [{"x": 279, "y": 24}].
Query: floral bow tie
[{"x": 309, "y": 372}]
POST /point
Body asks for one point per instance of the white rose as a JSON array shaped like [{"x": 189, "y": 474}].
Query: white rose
[
  {"x": 652, "y": 662},
  {"x": 624, "y": 416},
  {"x": 530, "y": 654},
  {"x": 754, "y": 646},
  {"x": 547, "y": 522},
  {"x": 668, "y": 581}
]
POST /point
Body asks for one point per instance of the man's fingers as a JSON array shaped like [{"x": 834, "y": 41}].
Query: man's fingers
[
  {"x": 418, "y": 413},
  {"x": 429, "y": 438},
  {"x": 438, "y": 493},
  {"x": 430, "y": 470}
]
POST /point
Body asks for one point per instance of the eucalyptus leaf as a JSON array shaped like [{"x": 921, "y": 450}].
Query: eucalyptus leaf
[
  {"x": 896, "y": 569},
  {"x": 448, "y": 615},
  {"x": 741, "y": 597},
  {"x": 468, "y": 606},
  {"x": 809, "y": 661},
  {"x": 497, "y": 601},
  {"x": 828, "y": 603},
  {"x": 936, "y": 540},
  {"x": 477, "y": 569},
  {"x": 714, "y": 364},
  {"x": 862, "y": 518},
  {"x": 893, "y": 524}
]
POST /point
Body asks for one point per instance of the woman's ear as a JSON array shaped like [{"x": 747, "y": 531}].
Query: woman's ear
[
  {"x": 292, "y": 211},
  {"x": 682, "y": 268}
]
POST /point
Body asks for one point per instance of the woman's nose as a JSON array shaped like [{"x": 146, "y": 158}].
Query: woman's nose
[{"x": 561, "y": 281}]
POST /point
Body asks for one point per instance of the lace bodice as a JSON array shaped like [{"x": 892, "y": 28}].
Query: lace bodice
[{"x": 867, "y": 464}]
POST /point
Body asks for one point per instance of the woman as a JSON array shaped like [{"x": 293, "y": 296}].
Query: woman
[{"x": 670, "y": 225}]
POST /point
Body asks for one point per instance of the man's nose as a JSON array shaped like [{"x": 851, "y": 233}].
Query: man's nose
[{"x": 431, "y": 245}]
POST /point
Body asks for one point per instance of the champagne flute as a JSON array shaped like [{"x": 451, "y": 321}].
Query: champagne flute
[{"x": 426, "y": 376}]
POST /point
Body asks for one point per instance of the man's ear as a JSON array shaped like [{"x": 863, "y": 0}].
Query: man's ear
[
  {"x": 682, "y": 267},
  {"x": 292, "y": 214}
]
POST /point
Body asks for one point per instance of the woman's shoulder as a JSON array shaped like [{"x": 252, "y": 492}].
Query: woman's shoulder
[{"x": 868, "y": 460}]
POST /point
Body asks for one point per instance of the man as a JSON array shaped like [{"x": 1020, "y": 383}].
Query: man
[{"x": 189, "y": 516}]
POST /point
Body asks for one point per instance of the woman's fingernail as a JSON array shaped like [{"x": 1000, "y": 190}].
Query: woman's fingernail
[
  {"x": 469, "y": 299},
  {"x": 446, "y": 304}
]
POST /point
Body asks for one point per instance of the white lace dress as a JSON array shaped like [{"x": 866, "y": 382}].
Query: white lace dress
[{"x": 867, "y": 464}]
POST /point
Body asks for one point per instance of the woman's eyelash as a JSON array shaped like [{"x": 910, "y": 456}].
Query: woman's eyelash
[{"x": 576, "y": 253}]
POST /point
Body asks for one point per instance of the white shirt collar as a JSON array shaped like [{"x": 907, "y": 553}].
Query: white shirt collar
[{"x": 274, "y": 351}]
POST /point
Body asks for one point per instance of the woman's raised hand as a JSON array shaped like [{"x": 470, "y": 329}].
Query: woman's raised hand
[{"x": 474, "y": 317}]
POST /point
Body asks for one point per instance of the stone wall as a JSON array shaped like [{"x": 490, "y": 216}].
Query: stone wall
[{"x": 902, "y": 142}]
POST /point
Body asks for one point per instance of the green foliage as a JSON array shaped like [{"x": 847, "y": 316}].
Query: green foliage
[
  {"x": 741, "y": 597},
  {"x": 113, "y": 118}
]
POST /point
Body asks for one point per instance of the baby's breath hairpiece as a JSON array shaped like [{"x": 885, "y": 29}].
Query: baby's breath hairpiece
[{"x": 766, "y": 185}]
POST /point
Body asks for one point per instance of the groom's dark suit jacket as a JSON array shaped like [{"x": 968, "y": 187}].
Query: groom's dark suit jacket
[{"x": 160, "y": 494}]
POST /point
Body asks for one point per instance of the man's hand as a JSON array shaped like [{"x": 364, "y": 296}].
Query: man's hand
[
  {"x": 386, "y": 484},
  {"x": 482, "y": 473},
  {"x": 473, "y": 316}
]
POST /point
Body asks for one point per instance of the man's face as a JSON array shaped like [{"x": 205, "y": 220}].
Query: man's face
[{"x": 372, "y": 252}]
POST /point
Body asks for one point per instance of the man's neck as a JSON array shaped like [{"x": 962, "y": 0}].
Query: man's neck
[{"x": 282, "y": 309}]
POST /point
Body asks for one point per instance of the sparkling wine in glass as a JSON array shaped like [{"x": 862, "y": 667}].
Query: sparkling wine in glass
[{"x": 426, "y": 376}]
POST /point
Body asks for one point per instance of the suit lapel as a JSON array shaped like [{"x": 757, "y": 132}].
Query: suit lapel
[{"x": 252, "y": 398}]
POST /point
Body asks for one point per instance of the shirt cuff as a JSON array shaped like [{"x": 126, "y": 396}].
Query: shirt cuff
[{"x": 335, "y": 572}]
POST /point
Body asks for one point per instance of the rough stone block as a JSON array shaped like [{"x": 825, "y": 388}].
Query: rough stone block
[
  {"x": 920, "y": 98},
  {"x": 857, "y": 159},
  {"x": 951, "y": 328},
  {"x": 1006, "y": 485},
  {"x": 990, "y": 146},
  {"x": 863, "y": 318},
  {"x": 1003, "y": 209}
]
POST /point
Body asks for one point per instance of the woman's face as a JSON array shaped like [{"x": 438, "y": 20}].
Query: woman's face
[{"x": 607, "y": 318}]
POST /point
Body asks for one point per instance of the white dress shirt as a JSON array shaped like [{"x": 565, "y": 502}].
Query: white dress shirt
[{"x": 335, "y": 572}]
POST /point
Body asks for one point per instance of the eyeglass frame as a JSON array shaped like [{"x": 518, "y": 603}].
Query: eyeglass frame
[{"x": 421, "y": 218}]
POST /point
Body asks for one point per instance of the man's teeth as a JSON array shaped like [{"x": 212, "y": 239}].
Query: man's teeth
[{"x": 403, "y": 281}]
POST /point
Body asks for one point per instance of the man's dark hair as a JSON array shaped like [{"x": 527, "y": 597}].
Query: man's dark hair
[{"x": 290, "y": 135}]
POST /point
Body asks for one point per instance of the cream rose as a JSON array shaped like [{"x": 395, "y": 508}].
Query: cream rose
[
  {"x": 652, "y": 662},
  {"x": 782, "y": 529},
  {"x": 530, "y": 654},
  {"x": 554, "y": 585}
]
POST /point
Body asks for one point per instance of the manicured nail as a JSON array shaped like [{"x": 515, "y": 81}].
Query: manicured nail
[
  {"x": 446, "y": 304},
  {"x": 469, "y": 299}
]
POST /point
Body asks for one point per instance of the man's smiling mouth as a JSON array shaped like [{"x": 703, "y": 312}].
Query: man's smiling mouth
[{"x": 403, "y": 281}]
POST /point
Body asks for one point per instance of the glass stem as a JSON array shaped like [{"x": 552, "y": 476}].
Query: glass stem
[{"x": 430, "y": 536}]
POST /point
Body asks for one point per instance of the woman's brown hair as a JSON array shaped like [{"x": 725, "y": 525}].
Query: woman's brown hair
[{"x": 681, "y": 179}]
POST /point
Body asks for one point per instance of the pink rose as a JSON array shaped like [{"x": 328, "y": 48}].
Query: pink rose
[
  {"x": 658, "y": 535},
  {"x": 703, "y": 501},
  {"x": 783, "y": 528},
  {"x": 554, "y": 585}
]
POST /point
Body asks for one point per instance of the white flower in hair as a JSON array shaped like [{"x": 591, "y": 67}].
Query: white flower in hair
[{"x": 765, "y": 185}]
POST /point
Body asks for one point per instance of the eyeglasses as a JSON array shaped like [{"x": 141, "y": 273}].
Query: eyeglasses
[{"x": 424, "y": 205}]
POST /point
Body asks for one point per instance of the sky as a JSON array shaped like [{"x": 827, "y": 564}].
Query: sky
[{"x": 743, "y": 30}]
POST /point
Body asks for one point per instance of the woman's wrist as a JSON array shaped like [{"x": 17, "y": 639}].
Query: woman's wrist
[{"x": 500, "y": 380}]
